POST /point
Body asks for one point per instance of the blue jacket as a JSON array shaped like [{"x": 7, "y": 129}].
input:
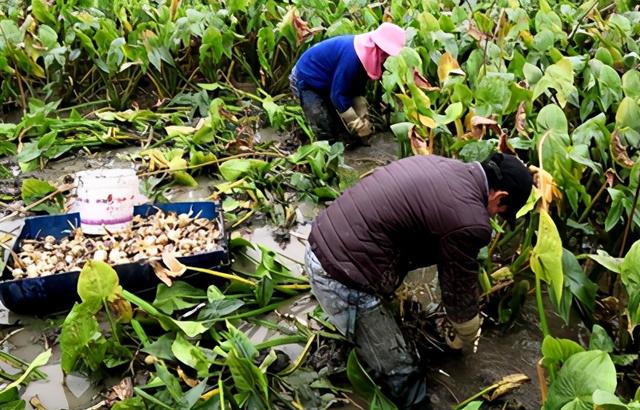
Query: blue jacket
[{"x": 332, "y": 68}]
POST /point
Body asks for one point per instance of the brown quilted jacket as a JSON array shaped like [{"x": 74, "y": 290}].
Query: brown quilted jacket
[{"x": 414, "y": 212}]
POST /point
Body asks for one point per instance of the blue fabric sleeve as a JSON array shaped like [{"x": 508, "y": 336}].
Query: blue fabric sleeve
[{"x": 345, "y": 81}]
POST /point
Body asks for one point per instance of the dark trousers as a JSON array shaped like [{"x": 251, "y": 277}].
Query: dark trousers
[{"x": 319, "y": 111}]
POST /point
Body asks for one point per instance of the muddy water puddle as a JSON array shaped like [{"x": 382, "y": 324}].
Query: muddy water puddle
[{"x": 501, "y": 351}]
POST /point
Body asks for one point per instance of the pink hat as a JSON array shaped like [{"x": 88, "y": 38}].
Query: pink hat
[{"x": 388, "y": 38}]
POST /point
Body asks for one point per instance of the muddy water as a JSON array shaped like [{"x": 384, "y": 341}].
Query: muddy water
[{"x": 501, "y": 351}]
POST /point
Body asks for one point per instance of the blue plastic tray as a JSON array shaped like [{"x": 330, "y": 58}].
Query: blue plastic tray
[{"x": 57, "y": 293}]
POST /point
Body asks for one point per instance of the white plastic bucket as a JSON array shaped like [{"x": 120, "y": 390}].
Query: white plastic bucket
[{"x": 106, "y": 198}]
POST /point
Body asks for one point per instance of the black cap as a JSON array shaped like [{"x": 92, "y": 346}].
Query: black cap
[{"x": 508, "y": 173}]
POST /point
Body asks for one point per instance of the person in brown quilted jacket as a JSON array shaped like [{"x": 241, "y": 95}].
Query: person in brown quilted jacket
[{"x": 415, "y": 212}]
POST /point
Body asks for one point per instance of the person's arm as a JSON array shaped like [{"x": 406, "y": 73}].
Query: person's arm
[
  {"x": 458, "y": 274},
  {"x": 345, "y": 79}
]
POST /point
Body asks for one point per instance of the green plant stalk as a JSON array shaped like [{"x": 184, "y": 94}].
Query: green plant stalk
[
  {"x": 593, "y": 201},
  {"x": 280, "y": 341},
  {"x": 112, "y": 323},
  {"x": 544, "y": 326},
  {"x": 19, "y": 363},
  {"x": 150, "y": 398},
  {"x": 632, "y": 214},
  {"x": 255, "y": 312}
]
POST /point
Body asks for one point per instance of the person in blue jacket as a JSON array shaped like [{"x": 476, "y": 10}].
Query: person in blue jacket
[{"x": 329, "y": 79}]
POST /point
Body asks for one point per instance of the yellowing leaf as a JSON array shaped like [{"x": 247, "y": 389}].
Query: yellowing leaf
[
  {"x": 448, "y": 66},
  {"x": 546, "y": 256},
  {"x": 426, "y": 121}
]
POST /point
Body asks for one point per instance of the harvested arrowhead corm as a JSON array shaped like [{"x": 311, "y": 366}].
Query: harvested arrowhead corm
[{"x": 162, "y": 234}]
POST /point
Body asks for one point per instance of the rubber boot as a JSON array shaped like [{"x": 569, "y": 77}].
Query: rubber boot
[
  {"x": 381, "y": 345},
  {"x": 322, "y": 117}
]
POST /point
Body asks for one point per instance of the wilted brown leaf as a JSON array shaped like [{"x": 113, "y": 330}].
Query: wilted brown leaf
[
  {"x": 619, "y": 151},
  {"x": 448, "y": 66},
  {"x": 161, "y": 273},
  {"x": 387, "y": 17},
  {"x": 507, "y": 384},
  {"x": 121, "y": 308},
  {"x": 174, "y": 267},
  {"x": 610, "y": 176},
  {"x": 475, "y": 33},
  {"x": 418, "y": 145},
  {"x": 546, "y": 186},
  {"x": 121, "y": 391},
  {"x": 422, "y": 82},
  {"x": 504, "y": 146},
  {"x": 521, "y": 119}
]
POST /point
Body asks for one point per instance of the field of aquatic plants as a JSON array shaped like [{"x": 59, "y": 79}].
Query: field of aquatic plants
[{"x": 192, "y": 82}]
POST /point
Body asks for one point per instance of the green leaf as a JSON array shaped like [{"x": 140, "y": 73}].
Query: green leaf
[
  {"x": 631, "y": 84},
  {"x": 39, "y": 361},
  {"x": 220, "y": 308},
  {"x": 578, "y": 282},
  {"x": 171, "y": 382},
  {"x": 134, "y": 403},
  {"x": 630, "y": 275},
  {"x": 179, "y": 296},
  {"x": 41, "y": 12},
  {"x": 363, "y": 385},
  {"x": 213, "y": 293},
  {"x": 630, "y": 266},
  {"x": 610, "y": 87},
  {"x": 79, "y": 328},
  {"x": 10, "y": 400},
  {"x": 98, "y": 282},
  {"x": 552, "y": 118},
  {"x": 161, "y": 348},
  {"x": 608, "y": 261},
  {"x": 190, "y": 355},
  {"x": 34, "y": 189},
  {"x": 235, "y": 169},
  {"x": 492, "y": 95},
  {"x": 558, "y": 76},
  {"x": 582, "y": 374},
  {"x": 264, "y": 290},
  {"x": 557, "y": 351},
  {"x": 628, "y": 114},
  {"x": 546, "y": 256},
  {"x": 600, "y": 340},
  {"x": 474, "y": 405},
  {"x": 237, "y": 5},
  {"x": 184, "y": 179},
  {"x": 247, "y": 377}
]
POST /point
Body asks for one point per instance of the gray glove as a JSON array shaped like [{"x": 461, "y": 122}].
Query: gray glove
[
  {"x": 356, "y": 125},
  {"x": 464, "y": 334}
]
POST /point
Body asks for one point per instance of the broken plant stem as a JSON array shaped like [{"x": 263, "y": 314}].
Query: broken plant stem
[
  {"x": 223, "y": 275},
  {"x": 300, "y": 359},
  {"x": 59, "y": 190}
]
